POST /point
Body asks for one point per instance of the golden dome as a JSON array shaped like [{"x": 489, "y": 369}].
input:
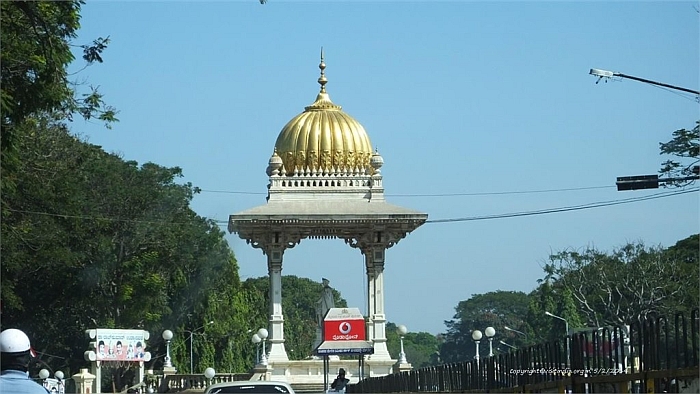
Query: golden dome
[{"x": 323, "y": 138}]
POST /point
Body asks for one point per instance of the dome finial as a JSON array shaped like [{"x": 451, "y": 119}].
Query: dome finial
[{"x": 322, "y": 79}]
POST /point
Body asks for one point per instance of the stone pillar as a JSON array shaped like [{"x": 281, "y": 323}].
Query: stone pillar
[
  {"x": 375, "y": 254},
  {"x": 97, "y": 372},
  {"x": 370, "y": 294},
  {"x": 83, "y": 382},
  {"x": 274, "y": 266}
]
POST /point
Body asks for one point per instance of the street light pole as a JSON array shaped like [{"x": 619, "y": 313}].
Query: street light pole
[
  {"x": 515, "y": 331},
  {"x": 192, "y": 340},
  {"x": 609, "y": 74},
  {"x": 507, "y": 344},
  {"x": 490, "y": 333},
  {"x": 568, "y": 352},
  {"x": 167, "y": 336},
  {"x": 262, "y": 333},
  {"x": 256, "y": 340},
  {"x": 402, "y": 330},
  {"x": 476, "y": 336}
]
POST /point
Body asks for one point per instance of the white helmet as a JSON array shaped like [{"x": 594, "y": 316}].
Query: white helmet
[{"x": 13, "y": 340}]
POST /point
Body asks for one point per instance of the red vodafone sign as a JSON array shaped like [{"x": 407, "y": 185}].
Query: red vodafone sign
[{"x": 344, "y": 324}]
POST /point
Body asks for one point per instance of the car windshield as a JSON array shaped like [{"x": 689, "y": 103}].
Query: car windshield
[{"x": 253, "y": 388}]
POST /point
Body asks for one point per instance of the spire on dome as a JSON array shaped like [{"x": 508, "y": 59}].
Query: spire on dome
[{"x": 322, "y": 79}]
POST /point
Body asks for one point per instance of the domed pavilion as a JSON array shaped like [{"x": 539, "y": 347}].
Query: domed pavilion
[{"x": 325, "y": 181}]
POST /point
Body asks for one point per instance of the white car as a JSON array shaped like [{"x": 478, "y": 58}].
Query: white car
[{"x": 248, "y": 386}]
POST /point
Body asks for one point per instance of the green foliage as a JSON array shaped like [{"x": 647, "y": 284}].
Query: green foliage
[
  {"x": 36, "y": 41},
  {"x": 421, "y": 348},
  {"x": 493, "y": 309},
  {"x": 299, "y": 296},
  {"x": 685, "y": 145},
  {"x": 596, "y": 289},
  {"x": 93, "y": 241}
]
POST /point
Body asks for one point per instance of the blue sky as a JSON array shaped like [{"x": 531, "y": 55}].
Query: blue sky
[{"x": 460, "y": 97}]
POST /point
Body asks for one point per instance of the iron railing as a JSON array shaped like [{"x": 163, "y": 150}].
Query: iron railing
[{"x": 654, "y": 354}]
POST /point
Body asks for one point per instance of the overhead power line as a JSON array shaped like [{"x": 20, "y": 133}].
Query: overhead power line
[
  {"x": 447, "y": 194},
  {"x": 449, "y": 220},
  {"x": 566, "y": 209}
]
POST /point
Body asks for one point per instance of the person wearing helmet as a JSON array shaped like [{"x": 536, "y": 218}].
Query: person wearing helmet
[
  {"x": 340, "y": 382},
  {"x": 15, "y": 355}
]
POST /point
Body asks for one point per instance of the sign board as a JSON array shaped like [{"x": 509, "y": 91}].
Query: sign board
[
  {"x": 120, "y": 345},
  {"x": 344, "y": 324},
  {"x": 344, "y": 333}
]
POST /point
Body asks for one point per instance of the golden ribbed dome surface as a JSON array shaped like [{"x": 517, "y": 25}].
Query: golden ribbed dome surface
[{"x": 323, "y": 137}]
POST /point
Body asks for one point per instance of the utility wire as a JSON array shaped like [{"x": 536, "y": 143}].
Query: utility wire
[
  {"x": 448, "y": 194},
  {"x": 565, "y": 209},
  {"x": 464, "y": 219}
]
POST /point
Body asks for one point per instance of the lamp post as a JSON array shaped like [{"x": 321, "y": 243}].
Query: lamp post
[
  {"x": 262, "y": 333},
  {"x": 191, "y": 338},
  {"x": 61, "y": 383},
  {"x": 209, "y": 373},
  {"x": 515, "y": 331},
  {"x": 568, "y": 353},
  {"x": 507, "y": 344},
  {"x": 490, "y": 333},
  {"x": 256, "y": 340},
  {"x": 43, "y": 375},
  {"x": 638, "y": 182},
  {"x": 609, "y": 74},
  {"x": 476, "y": 336},
  {"x": 402, "y": 330},
  {"x": 167, "y": 336}
]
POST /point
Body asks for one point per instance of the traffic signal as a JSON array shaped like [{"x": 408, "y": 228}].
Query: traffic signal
[{"x": 637, "y": 182}]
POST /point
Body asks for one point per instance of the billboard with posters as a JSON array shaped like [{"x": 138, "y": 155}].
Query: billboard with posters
[{"x": 120, "y": 345}]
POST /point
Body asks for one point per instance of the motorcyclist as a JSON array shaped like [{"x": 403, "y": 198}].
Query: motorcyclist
[
  {"x": 15, "y": 355},
  {"x": 340, "y": 382}
]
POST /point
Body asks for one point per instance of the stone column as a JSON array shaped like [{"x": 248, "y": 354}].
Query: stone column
[
  {"x": 370, "y": 294},
  {"x": 274, "y": 266},
  {"x": 375, "y": 254},
  {"x": 97, "y": 372}
]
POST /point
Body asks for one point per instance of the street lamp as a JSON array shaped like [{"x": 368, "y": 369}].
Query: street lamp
[
  {"x": 256, "y": 340},
  {"x": 490, "y": 332},
  {"x": 192, "y": 340},
  {"x": 476, "y": 336},
  {"x": 167, "y": 335},
  {"x": 402, "y": 330},
  {"x": 515, "y": 331},
  {"x": 61, "y": 383},
  {"x": 262, "y": 333},
  {"x": 507, "y": 344},
  {"x": 209, "y": 373},
  {"x": 639, "y": 182},
  {"x": 568, "y": 353},
  {"x": 609, "y": 74}
]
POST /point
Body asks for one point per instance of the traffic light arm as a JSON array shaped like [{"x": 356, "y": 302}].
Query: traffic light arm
[{"x": 639, "y": 182}]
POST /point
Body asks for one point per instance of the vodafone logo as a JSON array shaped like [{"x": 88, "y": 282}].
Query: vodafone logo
[{"x": 345, "y": 328}]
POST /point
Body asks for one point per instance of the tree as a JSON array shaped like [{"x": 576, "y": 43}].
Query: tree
[
  {"x": 631, "y": 282},
  {"x": 495, "y": 309},
  {"x": 299, "y": 296},
  {"x": 37, "y": 37},
  {"x": 685, "y": 145},
  {"x": 420, "y": 347}
]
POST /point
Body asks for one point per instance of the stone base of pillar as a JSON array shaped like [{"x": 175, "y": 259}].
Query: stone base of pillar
[
  {"x": 169, "y": 371},
  {"x": 83, "y": 381},
  {"x": 262, "y": 372},
  {"x": 402, "y": 367}
]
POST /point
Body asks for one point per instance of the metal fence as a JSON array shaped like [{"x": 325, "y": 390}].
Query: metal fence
[{"x": 654, "y": 354}]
